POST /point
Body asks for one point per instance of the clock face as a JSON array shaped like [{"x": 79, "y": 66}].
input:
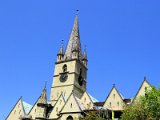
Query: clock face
[
  {"x": 63, "y": 77},
  {"x": 80, "y": 80}
]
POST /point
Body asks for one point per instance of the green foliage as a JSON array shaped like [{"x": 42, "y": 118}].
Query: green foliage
[
  {"x": 145, "y": 108},
  {"x": 92, "y": 115}
]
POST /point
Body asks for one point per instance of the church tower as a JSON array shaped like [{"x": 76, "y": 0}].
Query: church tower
[{"x": 70, "y": 68}]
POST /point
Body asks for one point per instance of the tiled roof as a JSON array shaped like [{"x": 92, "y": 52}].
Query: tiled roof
[
  {"x": 92, "y": 98},
  {"x": 27, "y": 107}
]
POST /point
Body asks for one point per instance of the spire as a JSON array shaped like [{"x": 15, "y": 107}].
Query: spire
[
  {"x": 74, "y": 40},
  {"x": 84, "y": 59},
  {"x": 61, "y": 49},
  {"x": 85, "y": 54},
  {"x": 60, "y": 53},
  {"x": 43, "y": 97}
]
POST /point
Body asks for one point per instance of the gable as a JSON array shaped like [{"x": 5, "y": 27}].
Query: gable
[
  {"x": 114, "y": 100},
  {"x": 33, "y": 111},
  {"x": 57, "y": 108},
  {"x": 17, "y": 111},
  {"x": 71, "y": 105},
  {"x": 87, "y": 101},
  {"x": 141, "y": 92}
]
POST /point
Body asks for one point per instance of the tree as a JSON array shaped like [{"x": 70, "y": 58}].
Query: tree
[
  {"x": 92, "y": 115},
  {"x": 145, "y": 108}
]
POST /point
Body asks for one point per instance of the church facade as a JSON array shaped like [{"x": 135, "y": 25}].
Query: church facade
[{"x": 69, "y": 99}]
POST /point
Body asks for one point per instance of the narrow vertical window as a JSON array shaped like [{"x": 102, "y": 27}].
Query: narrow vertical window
[
  {"x": 71, "y": 105},
  {"x": 56, "y": 109},
  {"x": 64, "y": 68},
  {"x": 110, "y": 104},
  {"x": 118, "y": 104},
  {"x": 20, "y": 112},
  {"x": 114, "y": 96}
]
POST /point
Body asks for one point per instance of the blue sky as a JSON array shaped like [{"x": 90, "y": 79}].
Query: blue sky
[{"x": 122, "y": 38}]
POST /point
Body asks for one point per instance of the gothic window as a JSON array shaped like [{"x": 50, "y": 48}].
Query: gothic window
[
  {"x": 64, "y": 68},
  {"x": 69, "y": 118},
  {"x": 71, "y": 105}
]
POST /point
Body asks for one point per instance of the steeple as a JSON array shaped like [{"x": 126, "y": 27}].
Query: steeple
[
  {"x": 43, "y": 97},
  {"x": 74, "y": 41},
  {"x": 42, "y": 105}
]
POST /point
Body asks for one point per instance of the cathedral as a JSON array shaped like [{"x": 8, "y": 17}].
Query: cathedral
[{"x": 69, "y": 99}]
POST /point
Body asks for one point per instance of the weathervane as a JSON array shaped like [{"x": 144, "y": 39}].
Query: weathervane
[{"x": 77, "y": 12}]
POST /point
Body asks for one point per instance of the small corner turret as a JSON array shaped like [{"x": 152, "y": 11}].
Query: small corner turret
[
  {"x": 60, "y": 54},
  {"x": 84, "y": 59}
]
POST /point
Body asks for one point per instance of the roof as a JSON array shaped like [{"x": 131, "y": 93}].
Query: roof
[
  {"x": 74, "y": 40},
  {"x": 92, "y": 98},
  {"x": 99, "y": 104},
  {"x": 27, "y": 107}
]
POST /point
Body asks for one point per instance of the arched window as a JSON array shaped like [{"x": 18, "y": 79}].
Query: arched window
[
  {"x": 80, "y": 71},
  {"x": 64, "y": 68},
  {"x": 69, "y": 118}
]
